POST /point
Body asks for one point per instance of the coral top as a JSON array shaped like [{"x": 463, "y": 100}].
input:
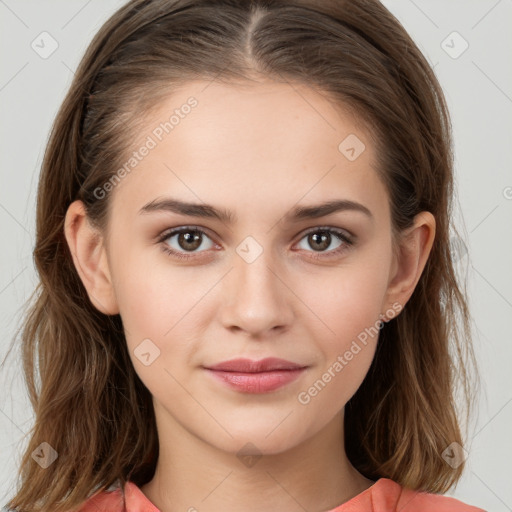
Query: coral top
[{"x": 383, "y": 496}]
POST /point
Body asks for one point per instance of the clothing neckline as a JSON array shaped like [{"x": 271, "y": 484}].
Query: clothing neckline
[{"x": 133, "y": 496}]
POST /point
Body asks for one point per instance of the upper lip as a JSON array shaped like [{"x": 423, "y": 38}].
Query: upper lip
[{"x": 250, "y": 366}]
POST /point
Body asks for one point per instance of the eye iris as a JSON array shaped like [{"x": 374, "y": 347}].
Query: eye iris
[
  {"x": 321, "y": 237},
  {"x": 186, "y": 237}
]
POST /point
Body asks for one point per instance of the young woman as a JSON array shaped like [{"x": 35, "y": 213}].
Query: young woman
[{"x": 247, "y": 298}]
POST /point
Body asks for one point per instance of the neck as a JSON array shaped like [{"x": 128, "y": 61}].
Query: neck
[{"x": 194, "y": 475}]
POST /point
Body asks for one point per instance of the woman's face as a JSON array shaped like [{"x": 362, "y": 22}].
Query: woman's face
[{"x": 273, "y": 280}]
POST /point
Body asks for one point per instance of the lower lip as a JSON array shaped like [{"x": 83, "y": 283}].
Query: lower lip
[{"x": 261, "y": 382}]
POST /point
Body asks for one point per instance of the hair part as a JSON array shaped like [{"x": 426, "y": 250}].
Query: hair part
[{"x": 89, "y": 403}]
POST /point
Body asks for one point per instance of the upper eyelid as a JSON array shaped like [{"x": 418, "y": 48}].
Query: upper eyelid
[
  {"x": 329, "y": 228},
  {"x": 167, "y": 233}
]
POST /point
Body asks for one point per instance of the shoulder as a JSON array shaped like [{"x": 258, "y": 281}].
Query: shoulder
[
  {"x": 385, "y": 495},
  {"x": 117, "y": 499},
  {"x": 111, "y": 500},
  {"x": 408, "y": 500}
]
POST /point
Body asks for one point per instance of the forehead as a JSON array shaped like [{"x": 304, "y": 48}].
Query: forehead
[
  {"x": 268, "y": 142},
  {"x": 280, "y": 115}
]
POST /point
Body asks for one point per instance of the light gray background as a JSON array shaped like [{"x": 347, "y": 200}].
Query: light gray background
[{"x": 478, "y": 87}]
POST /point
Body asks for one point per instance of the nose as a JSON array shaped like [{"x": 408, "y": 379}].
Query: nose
[{"x": 255, "y": 297}]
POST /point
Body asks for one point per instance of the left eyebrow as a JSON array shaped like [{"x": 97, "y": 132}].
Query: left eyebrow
[
  {"x": 315, "y": 211},
  {"x": 295, "y": 215}
]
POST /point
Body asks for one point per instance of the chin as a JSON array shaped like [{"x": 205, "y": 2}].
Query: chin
[{"x": 262, "y": 438}]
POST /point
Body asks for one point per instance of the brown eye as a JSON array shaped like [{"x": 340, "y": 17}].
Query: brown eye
[
  {"x": 189, "y": 240},
  {"x": 185, "y": 240},
  {"x": 321, "y": 239}
]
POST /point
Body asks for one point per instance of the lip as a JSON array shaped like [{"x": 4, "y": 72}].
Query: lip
[
  {"x": 250, "y": 366},
  {"x": 249, "y": 376}
]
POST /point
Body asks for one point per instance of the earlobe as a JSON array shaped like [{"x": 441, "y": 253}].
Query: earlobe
[
  {"x": 413, "y": 252},
  {"x": 89, "y": 257}
]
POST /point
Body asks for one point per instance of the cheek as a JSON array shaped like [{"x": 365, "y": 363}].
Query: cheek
[
  {"x": 151, "y": 297},
  {"x": 146, "y": 309},
  {"x": 349, "y": 304},
  {"x": 352, "y": 315},
  {"x": 156, "y": 312},
  {"x": 347, "y": 299},
  {"x": 163, "y": 305}
]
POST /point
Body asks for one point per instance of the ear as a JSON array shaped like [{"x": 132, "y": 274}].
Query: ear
[
  {"x": 411, "y": 257},
  {"x": 86, "y": 245}
]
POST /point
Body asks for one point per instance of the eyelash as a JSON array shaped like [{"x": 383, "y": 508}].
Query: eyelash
[{"x": 347, "y": 241}]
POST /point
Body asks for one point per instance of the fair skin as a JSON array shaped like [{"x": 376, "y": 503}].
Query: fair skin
[{"x": 259, "y": 151}]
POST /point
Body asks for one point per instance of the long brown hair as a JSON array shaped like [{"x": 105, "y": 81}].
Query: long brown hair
[{"x": 90, "y": 406}]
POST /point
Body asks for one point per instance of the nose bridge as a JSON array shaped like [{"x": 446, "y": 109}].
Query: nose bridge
[{"x": 256, "y": 299}]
